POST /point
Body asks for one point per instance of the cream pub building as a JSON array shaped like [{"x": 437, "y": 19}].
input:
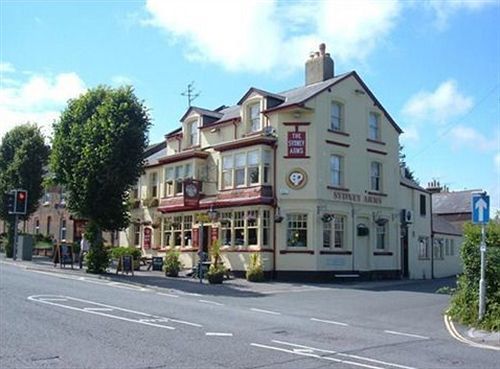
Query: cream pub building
[{"x": 309, "y": 178}]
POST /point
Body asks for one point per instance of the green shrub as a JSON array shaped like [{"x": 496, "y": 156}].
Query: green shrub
[
  {"x": 117, "y": 252},
  {"x": 465, "y": 301},
  {"x": 172, "y": 264},
  {"x": 255, "y": 271}
]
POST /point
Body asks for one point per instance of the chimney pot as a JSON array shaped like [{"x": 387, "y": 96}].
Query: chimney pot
[{"x": 320, "y": 66}]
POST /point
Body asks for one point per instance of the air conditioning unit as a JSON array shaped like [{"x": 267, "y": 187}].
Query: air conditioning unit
[{"x": 406, "y": 216}]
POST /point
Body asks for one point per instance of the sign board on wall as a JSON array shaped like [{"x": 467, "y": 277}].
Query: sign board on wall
[
  {"x": 147, "y": 238},
  {"x": 296, "y": 144}
]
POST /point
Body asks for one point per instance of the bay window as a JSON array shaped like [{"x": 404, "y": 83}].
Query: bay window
[{"x": 246, "y": 168}]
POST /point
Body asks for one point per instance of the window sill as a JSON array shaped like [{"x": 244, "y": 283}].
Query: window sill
[
  {"x": 288, "y": 251},
  {"x": 342, "y": 133},
  {"x": 375, "y": 141},
  {"x": 330, "y": 142},
  {"x": 335, "y": 252},
  {"x": 296, "y": 157},
  {"x": 382, "y": 253},
  {"x": 338, "y": 188},
  {"x": 377, "y": 193}
]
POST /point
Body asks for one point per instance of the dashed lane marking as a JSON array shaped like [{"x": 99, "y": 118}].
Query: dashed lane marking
[
  {"x": 265, "y": 311},
  {"x": 330, "y": 322},
  {"x": 407, "y": 335},
  {"x": 166, "y": 294},
  {"x": 211, "y": 302},
  {"x": 219, "y": 334}
]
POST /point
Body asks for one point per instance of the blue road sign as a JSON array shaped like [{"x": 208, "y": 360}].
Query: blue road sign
[{"x": 480, "y": 208}]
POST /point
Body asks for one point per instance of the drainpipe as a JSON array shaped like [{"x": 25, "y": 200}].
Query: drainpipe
[
  {"x": 432, "y": 237},
  {"x": 275, "y": 204}
]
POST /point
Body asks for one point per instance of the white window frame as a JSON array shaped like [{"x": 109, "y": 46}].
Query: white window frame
[
  {"x": 336, "y": 116},
  {"x": 376, "y": 176},
  {"x": 229, "y": 168},
  {"x": 153, "y": 185},
  {"x": 336, "y": 170},
  {"x": 254, "y": 117},
  {"x": 296, "y": 228},
  {"x": 193, "y": 133},
  {"x": 423, "y": 248},
  {"x": 381, "y": 237},
  {"x": 374, "y": 126},
  {"x": 334, "y": 233}
]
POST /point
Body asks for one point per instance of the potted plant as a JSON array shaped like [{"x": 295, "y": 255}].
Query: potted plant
[
  {"x": 172, "y": 264},
  {"x": 215, "y": 274},
  {"x": 255, "y": 272}
]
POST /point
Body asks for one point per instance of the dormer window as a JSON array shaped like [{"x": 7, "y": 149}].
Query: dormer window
[
  {"x": 193, "y": 133},
  {"x": 254, "y": 112}
]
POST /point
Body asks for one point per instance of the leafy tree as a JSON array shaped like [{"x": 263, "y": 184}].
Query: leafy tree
[
  {"x": 98, "y": 155},
  {"x": 408, "y": 173},
  {"x": 465, "y": 302},
  {"x": 23, "y": 155}
]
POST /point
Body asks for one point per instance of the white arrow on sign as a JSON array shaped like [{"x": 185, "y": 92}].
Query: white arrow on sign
[{"x": 481, "y": 206}]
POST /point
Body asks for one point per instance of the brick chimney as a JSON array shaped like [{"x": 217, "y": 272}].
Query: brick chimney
[{"x": 319, "y": 66}]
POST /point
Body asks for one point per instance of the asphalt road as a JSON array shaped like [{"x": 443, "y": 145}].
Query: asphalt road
[{"x": 50, "y": 320}]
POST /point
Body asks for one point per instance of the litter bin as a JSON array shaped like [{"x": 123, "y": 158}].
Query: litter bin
[{"x": 24, "y": 247}]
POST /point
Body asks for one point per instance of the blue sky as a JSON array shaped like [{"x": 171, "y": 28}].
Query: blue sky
[{"x": 434, "y": 65}]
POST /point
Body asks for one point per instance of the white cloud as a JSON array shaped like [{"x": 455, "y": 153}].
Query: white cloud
[
  {"x": 121, "y": 80},
  {"x": 438, "y": 106},
  {"x": 496, "y": 161},
  {"x": 443, "y": 10},
  {"x": 6, "y": 68},
  {"x": 410, "y": 134},
  {"x": 258, "y": 36},
  {"x": 39, "y": 99},
  {"x": 462, "y": 136}
]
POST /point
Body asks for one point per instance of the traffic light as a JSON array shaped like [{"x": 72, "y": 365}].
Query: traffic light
[
  {"x": 9, "y": 199},
  {"x": 21, "y": 203}
]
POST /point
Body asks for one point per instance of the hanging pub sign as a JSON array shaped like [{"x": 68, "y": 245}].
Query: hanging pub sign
[
  {"x": 147, "y": 238},
  {"x": 191, "y": 192}
]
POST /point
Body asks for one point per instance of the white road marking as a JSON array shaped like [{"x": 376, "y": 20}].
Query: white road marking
[
  {"x": 187, "y": 323},
  {"x": 304, "y": 347},
  {"x": 166, "y": 294},
  {"x": 189, "y": 293},
  {"x": 329, "y": 322},
  {"x": 407, "y": 335},
  {"x": 265, "y": 311},
  {"x": 315, "y": 356},
  {"x": 98, "y": 308},
  {"x": 54, "y": 299},
  {"x": 211, "y": 302},
  {"x": 220, "y": 334},
  {"x": 344, "y": 355}
]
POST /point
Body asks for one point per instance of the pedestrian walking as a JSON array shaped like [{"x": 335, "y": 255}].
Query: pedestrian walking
[{"x": 84, "y": 248}]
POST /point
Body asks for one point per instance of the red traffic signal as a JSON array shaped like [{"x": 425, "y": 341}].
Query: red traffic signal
[{"x": 21, "y": 204}]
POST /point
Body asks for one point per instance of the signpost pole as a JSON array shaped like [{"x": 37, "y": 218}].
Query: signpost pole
[
  {"x": 482, "y": 283},
  {"x": 14, "y": 248},
  {"x": 481, "y": 215}
]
